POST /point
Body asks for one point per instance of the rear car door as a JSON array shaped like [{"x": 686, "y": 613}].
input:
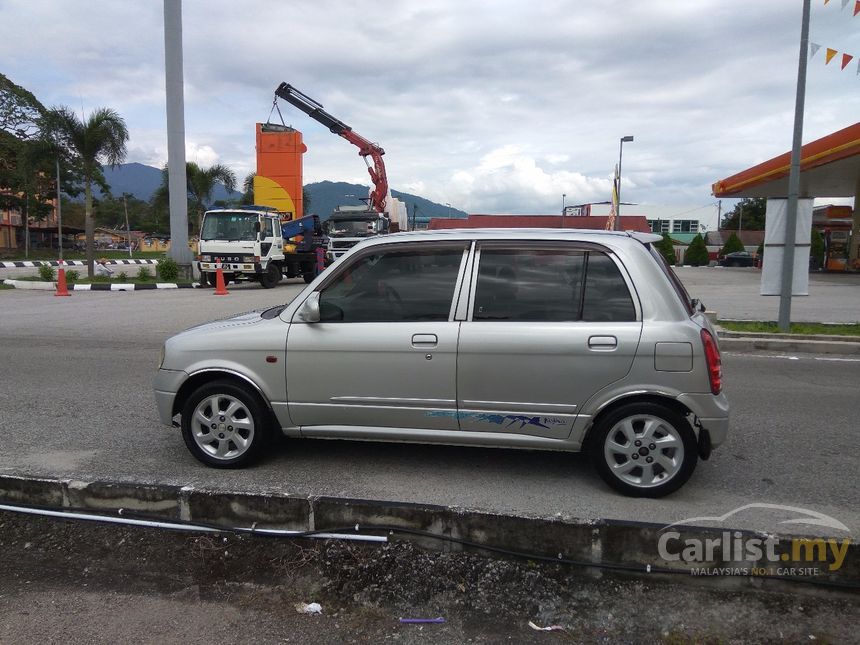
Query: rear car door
[
  {"x": 384, "y": 352},
  {"x": 549, "y": 325}
]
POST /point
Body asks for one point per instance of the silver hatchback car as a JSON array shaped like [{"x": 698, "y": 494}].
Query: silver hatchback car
[{"x": 538, "y": 339}]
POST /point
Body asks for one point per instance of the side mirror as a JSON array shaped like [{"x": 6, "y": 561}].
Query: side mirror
[{"x": 309, "y": 312}]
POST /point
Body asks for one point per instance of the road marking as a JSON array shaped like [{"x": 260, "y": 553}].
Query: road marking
[{"x": 787, "y": 357}]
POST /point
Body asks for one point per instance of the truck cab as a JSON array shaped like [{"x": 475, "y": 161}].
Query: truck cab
[
  {"x": 347, "y": 226},
  {"x": 248, "y": 243}
]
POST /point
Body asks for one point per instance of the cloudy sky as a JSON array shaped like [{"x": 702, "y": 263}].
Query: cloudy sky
[{"x": 491, "y": 106}]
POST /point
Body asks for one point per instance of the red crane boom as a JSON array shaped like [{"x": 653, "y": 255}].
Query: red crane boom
[{"x": 365, "y": 147}]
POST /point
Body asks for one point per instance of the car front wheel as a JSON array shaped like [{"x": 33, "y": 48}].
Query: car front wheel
[
  {"x": 225, "y": 425},
  {"x": 644, "y": 450}
]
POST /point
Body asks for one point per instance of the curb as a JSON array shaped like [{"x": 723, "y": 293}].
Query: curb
[
  {"x": 634, "y": 544},
  {"x": 100, "y": 286},
  {"x": 796, "y": 343},
  {"x": 23, "y": 264}
]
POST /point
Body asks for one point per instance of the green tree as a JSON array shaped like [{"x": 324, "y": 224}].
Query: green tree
[
  {"x": 732, "y": 245},
  {"x": 747, "y": 215},
  {"x": 666, "y": 247},
  {"x": 697, "y": 252},
  {"x": 101, "y": 138},
  {"x": 200, "y": 185}
]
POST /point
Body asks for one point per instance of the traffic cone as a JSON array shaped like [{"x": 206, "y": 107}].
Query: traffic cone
[
  {"x": 220, "y": 287},
  {"x": 62, "y": 290}
]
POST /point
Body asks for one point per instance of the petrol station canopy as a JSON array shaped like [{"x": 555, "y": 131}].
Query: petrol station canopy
[{"x": 829, "y": 167}]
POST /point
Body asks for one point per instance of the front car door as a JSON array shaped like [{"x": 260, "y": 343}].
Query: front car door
[
  {"x": 549, "y": 325},
  {"x": 384, "y": 352}
]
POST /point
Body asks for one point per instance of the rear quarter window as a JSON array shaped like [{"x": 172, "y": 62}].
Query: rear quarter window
[{"x": 677, "y": 285}]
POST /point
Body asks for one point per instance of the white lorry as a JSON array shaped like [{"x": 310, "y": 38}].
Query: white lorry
[{"x": 254, "y": 243}]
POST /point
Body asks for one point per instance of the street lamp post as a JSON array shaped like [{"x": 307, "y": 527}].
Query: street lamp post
[
  {"x": 563, "y": 195},
  {"x": 628, "y": 139}
]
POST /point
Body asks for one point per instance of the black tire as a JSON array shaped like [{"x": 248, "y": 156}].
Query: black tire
[
  {"x": 250, "y": 413},
  {"x": 271, "y": 276},
  {"x": 612, "y": 449},
  {"x": 309, "y": 277}
]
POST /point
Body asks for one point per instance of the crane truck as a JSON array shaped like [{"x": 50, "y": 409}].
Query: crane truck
[
  {"x": 254, "y": 243},
  {"x": 348, "y": 225}
]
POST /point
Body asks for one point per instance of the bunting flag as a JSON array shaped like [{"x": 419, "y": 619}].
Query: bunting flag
[
  {"x": 831, "y": 53},
  {"x": 857, "y": 7},
  {"x": 613, "y": 207}
]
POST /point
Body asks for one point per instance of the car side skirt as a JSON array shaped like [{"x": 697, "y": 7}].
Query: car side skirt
[{"x": 446, "y": 437}]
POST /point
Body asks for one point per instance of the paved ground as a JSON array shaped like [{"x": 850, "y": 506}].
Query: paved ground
[
  {"x": 731, "y": 292},
  {"x": 77, "y": 403},
  {"x": 734, "y": 293}
]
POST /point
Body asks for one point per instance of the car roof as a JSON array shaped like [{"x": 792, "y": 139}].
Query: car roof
[{"x": 575, "y": 234}]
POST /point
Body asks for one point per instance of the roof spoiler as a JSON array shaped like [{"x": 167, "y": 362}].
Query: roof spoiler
[{"x": 645, "y": 238}]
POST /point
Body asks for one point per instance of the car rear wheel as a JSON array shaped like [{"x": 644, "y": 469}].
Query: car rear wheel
[
  {"x": 644, "y": 450},
  {"x": 225, "y": 425}
]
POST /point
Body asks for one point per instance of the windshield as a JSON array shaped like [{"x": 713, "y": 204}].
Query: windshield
[
  {"x": 229, "y": 226},
  {"x": 350, "y": 228}
]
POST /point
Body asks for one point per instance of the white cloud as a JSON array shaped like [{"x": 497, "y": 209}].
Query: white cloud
[{"x": 508, "y": 180}]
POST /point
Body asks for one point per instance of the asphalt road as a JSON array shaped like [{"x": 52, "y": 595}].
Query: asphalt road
[{"x": 76, "y": 402}]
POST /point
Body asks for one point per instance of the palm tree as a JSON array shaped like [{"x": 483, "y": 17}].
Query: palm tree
[
  {"x": 101, "y": 138},
  {"x": 200, "y": 183},
  {"x": 248, "y": 189}
]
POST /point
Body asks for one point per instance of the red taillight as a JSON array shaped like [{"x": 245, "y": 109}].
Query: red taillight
[{"x": 713, "y": 361}]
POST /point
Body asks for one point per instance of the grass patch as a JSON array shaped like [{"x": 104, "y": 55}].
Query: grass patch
[
  {"x": 5, "y": 286},
  {"x": 813, "y": 329}
]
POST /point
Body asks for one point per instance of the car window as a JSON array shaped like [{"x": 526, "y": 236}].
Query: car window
[
  {"x": 529, "y": 284},
  {"x": 607, "y": 298},
  {"x": 395, "y": 285},
  {"x": 268, "y": 227},
  {"x": 550, "y": 285}
]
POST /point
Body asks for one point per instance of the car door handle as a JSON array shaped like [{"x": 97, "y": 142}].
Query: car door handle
[
  {"x": 424, "y": 340},
  {"x": 602, "y": 343}
]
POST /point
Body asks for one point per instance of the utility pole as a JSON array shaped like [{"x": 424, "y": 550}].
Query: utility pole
[
  {"x": 59, "y": 209},
  {"x": 794, "y": 178},
  {"x": 127, "y": 227},
  {"x": 719, "y": 213},
  {"x": 740, "y": 219}
]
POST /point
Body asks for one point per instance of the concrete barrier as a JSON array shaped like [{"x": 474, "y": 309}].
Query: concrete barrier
[{"x": 631, "y": 545}]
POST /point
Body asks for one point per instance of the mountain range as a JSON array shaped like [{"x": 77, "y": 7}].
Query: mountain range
[{"x": 142, "y": 181}]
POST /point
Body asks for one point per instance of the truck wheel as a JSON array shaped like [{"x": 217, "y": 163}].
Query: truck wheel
[
  {"x": 308, "y": 277},
  {"x": 271, "y": 276}
]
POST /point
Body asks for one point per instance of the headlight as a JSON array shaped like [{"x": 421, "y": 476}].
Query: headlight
[{"x": 161, "y": 357}]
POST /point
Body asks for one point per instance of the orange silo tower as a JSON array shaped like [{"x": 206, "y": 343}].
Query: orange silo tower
[{"x": 278, "y": 182}]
